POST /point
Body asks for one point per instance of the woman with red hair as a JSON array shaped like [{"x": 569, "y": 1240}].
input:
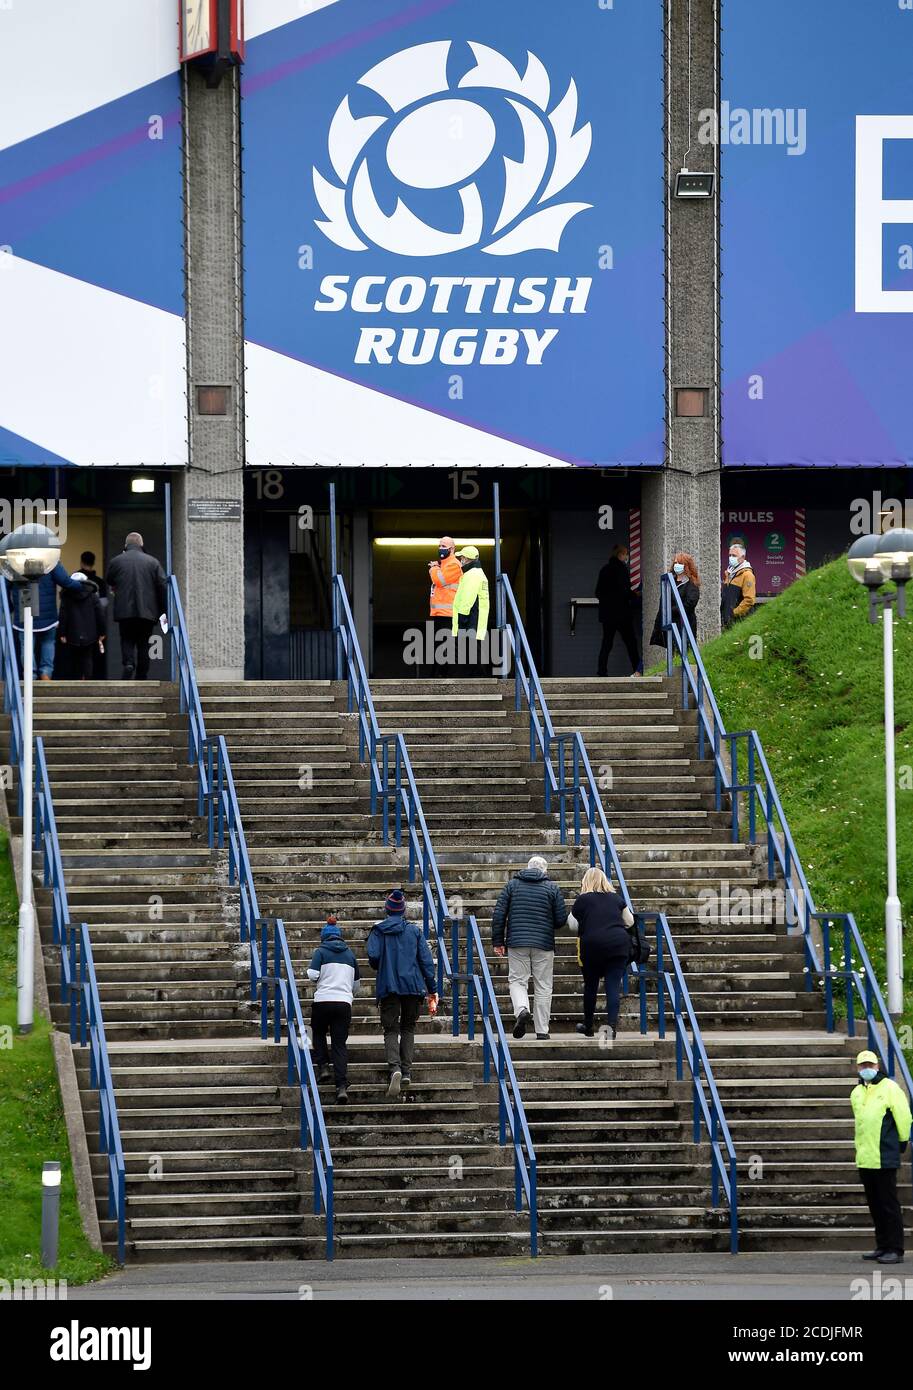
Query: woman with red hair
[{"x": 684, "y": 572}]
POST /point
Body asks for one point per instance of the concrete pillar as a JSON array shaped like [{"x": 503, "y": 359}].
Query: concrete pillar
[
  {"x": 681, "y": 507},
  {"x": 209, "y": 553}
]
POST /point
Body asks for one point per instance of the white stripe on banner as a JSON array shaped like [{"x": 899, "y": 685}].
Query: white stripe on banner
[
  {"x": 87, "y": 374},
  {"x": 61, "y": 58},
  {"x": 262, "y": 15},
  {"x": 292, "y": 401}
]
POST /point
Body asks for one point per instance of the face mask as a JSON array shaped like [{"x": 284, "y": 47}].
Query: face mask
[
  {"x": 678, "y": 569},
  {"x": 868, "y": 1073},
  {"x": 443, "y": 553}
]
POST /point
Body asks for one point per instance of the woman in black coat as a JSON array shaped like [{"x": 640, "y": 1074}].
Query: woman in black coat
[
  {"x": 601, "y": 919},
  {"x": 684, "y": 572}
]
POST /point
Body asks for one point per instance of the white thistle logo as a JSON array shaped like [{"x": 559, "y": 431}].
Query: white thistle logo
[{"x": 438, "y": 142}]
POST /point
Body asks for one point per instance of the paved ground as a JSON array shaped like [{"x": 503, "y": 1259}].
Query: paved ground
[{"x": 650, "y": 1278}]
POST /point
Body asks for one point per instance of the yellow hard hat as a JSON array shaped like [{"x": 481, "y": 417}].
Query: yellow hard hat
[{"x": 866, "y": 1057}]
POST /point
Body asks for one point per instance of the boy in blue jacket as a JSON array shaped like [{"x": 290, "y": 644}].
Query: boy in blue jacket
[
  {"x": 399, "y": 953},
  {"x": 334, "y": 970}
]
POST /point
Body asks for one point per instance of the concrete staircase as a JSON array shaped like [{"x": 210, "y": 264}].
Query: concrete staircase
[
  {"x": 208, "y": 1130},
  {"x": 611, "y": 1126},
  {"x": 210, "y": 1127}
]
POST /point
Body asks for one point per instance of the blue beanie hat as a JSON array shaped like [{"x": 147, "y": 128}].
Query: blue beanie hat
[
  {"x": 330, "y": 931},
  {"x": 396, "y": 902}
]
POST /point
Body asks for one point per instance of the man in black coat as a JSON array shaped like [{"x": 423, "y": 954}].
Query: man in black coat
[
  {"x": 616, "y": 614},
  {"x": 139, "y": 586}
]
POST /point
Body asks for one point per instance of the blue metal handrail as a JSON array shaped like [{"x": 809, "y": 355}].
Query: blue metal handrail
[
  {"x": 528, "y": 687},
  {"x": 707, "y": 1106},
  {"x": 218, "y": 800},
  {"x": 287, "y": 1013},
  {"x": 360, "y": 700},
  {"x": 78, "y": 987},
  {"x": 12, "y": 693},
  {"x": 409, "y": 815},
  {"x": 581, "y": 790},
  {"x": 511, "y": 1113},
  {"x": 393, "y": 781},
  {"x": 762, "y": 796},
  {"x": 86, "y": 1019}
]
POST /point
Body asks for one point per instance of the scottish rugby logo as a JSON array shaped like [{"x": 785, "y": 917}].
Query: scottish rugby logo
[{"x": 450, "y": 165}]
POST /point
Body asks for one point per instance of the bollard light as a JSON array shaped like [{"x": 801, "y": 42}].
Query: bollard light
[{"x": 50, "y": 1214}]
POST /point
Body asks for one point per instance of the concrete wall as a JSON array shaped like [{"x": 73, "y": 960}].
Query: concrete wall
[
  {"x": 209, "y": 555},
  {"x": 681, "y": 507}
]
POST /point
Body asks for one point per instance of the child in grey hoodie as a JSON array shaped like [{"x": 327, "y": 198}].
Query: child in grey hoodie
[{"x": 334, "y": 971}]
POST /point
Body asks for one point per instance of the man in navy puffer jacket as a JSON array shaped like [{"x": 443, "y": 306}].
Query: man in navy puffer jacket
[
  {"x": 529, "y": 910},
  {"x": 399, "y": 953}
]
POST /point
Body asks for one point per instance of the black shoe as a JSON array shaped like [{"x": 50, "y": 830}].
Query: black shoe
[
  {"x": 324, "y": 1073},
  {"x": 890, "y": 1257},
  {"x": 874, "y": 1255},
  {"x": 543, "y": 1037},
  {"x": 405, "y": 1082},
  {"x": 524, "y": 1019},
  {"x": 396, "y": 1079},
  {"x": 582, "y": 1028},
  {"x": 342, "y": 1096}
]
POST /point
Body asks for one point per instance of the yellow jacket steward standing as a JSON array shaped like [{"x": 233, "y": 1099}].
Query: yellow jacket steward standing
[
  {"x": 470, "y": 606},
  {"x": 445, "y": 580},
  {"x": 882, "y": 1114}
]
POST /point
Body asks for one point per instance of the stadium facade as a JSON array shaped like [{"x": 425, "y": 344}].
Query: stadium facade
[{"x": 416, "y": 248}]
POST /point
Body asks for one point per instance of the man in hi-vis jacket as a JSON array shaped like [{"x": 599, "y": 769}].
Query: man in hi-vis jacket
[{"x": 882, "y": 1114}]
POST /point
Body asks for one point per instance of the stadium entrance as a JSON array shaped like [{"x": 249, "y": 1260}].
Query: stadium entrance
[{"x": 557, "y": 530}]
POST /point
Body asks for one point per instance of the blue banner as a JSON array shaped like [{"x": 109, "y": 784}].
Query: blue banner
[
  {"x": 816, "y": 135},
  {"x": 453, "y": 232}
]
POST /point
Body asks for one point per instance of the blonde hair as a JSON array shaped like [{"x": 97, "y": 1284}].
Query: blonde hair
[{"x": 595, "y": 881}]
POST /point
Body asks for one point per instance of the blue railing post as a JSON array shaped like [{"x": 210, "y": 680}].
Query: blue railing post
[{"x": 825, "y": 923}]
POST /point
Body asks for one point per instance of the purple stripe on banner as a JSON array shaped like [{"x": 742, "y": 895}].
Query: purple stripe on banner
[
  {"x": 344, "y": 45},
  {"x": 85, "y": 160}
]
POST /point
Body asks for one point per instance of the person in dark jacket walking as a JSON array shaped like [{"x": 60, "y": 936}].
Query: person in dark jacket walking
[
  {"x": 139, "y": 586},
  {"x": 334, "y": 970},
  {"x": 684, "y": 571},
  {"x": 881, "y": 1112},
  {"x": 399, "y": 953},
  {"x": 82, "y": 626},
  {"x": 600, "y": 917},
  {"x": 613, "y": 590},
  {"x": 44, "y": 622},
  {"x": 87, "y": 566},
  {"x": 529, "y": 911}
]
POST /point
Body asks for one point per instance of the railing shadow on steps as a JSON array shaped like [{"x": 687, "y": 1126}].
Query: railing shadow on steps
[
  {"x": 78, "y": 984},
  {"x": 576, "y": 790},
  {"x": 762, "y": 797},
  {"x": 393, "y": 781},
  {"x": 218, "y": 801}
]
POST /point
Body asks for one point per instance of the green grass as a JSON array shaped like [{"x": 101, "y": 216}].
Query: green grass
[
  {"x": 32, "y": 1128},
  {"x": 813, "y": 688}
]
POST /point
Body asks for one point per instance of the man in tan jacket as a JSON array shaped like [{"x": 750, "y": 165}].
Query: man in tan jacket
[{"x": 738, "y": 586}]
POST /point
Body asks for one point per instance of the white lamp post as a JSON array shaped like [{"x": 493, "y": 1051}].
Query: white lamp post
[
  {"x": 873, "y": 561},
  {"x": 26, "y": 555}
]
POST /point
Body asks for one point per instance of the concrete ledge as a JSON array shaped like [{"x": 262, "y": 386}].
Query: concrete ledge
[{"x": 215, "y": 675}]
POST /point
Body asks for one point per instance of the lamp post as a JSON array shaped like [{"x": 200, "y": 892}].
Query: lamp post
[
  {"x": 26, "y": 555},
  {"x": 874, "y": 561}
]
